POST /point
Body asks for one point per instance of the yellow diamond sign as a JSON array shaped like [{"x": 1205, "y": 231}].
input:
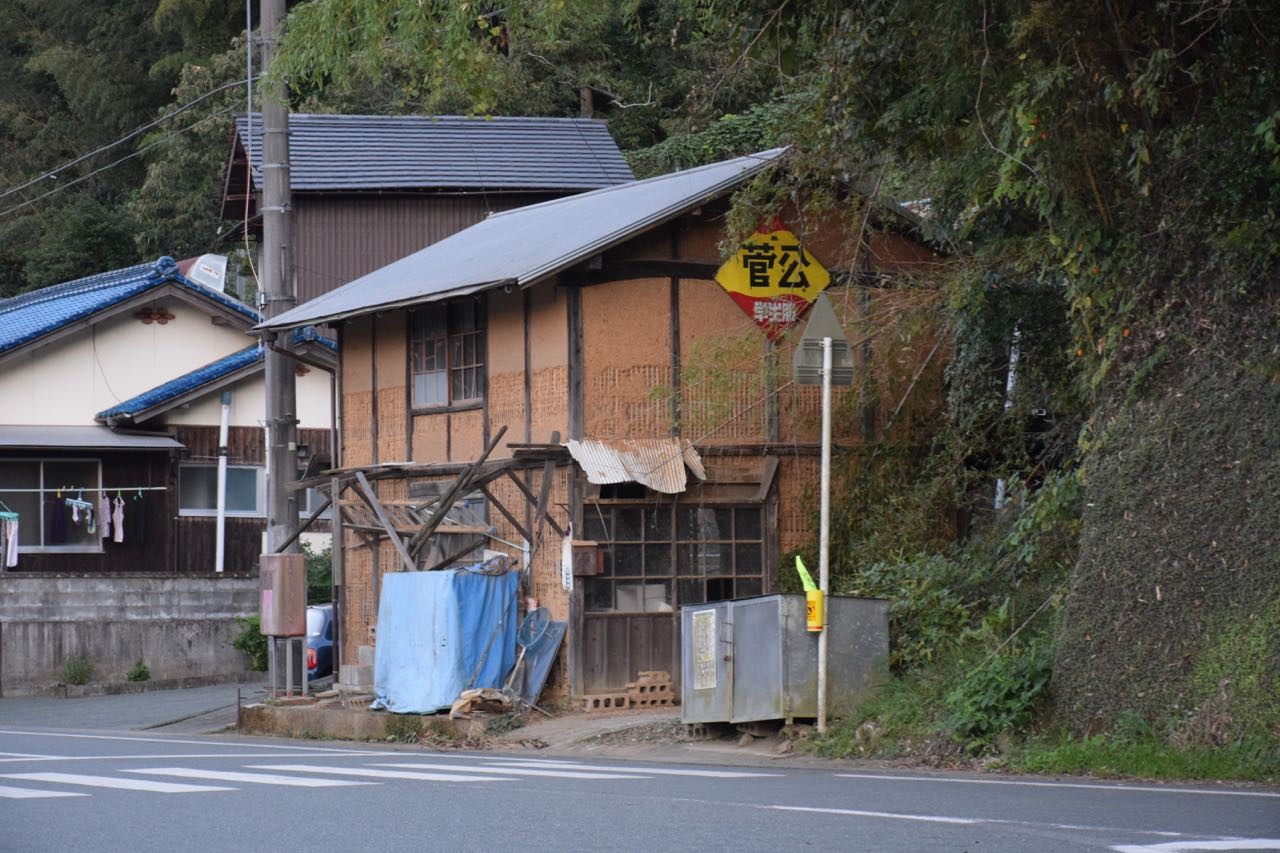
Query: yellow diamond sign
[{"x": 773, "y": 278}]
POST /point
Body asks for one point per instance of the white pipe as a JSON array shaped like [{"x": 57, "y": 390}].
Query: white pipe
[
  {"x": 220, "y": 547},
  {"x": 824, "y": 535},
  {"x": 1010, "y": 382}
]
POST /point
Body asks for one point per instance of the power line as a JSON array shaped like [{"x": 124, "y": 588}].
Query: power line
[
  {"x": 60, "y": 187},
  {"x": 138, "y": 131}
]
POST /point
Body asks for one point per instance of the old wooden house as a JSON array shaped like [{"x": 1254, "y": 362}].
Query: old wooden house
[{"x": 578, "y": 370}]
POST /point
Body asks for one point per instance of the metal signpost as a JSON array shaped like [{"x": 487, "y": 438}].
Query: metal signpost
[{"x": 824, "y": 356}]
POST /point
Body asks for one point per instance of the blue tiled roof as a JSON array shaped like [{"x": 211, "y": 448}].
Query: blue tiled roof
[
  {"x": 184, "y": 384},
  {"x": 28, "y": 316}
]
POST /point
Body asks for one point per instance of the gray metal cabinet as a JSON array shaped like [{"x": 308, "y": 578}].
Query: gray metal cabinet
[{"x": 753, "y": 659}]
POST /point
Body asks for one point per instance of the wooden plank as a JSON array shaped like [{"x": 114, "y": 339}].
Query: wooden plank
[
  {"x": 460, "y": 487},
  {"x": 376, "y": 506},
  {"x": 497, "y": 504},
  {"x": 303, "y": 527},
  {"x": 533, "y": 499}
]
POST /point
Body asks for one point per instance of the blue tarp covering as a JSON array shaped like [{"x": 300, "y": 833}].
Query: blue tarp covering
[{"x": 433, "y": 629}]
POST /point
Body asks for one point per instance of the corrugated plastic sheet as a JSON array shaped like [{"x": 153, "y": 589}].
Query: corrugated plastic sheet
[
  {"x": 525, "y": 245},
  {"x": 29, "y": 316},
  {"x": 352, "y": 152},
  {"x": 658, "y": 463}
]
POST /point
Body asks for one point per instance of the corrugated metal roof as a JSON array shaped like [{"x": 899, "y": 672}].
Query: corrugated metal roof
[
  {"x": 28, "y": 316},
  {"x": 658, "y": 463},
  {"x": 81, "y": 438},
  {"x": 523, "y": 246},
  {"x": 184, "y": 384},
  {"x": 354, "y": 153}
]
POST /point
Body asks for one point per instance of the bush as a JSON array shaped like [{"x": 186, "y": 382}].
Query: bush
[
  {"x": 77, "y": 670},
  {"x": 252, "y": 642},
  {"x": 140, "y": 672},
  {"x": 999, "y": 696}
]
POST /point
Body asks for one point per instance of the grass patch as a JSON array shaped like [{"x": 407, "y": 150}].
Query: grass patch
[
  {"x": 140, "y": 672},
  {"x": 1147, "y": 757},
  {"x": 77, "y": 670}
]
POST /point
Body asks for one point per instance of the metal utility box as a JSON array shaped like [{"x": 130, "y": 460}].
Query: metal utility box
[
  {"x": 283, "y": 595},
  {"x": 753, "y": 659}
]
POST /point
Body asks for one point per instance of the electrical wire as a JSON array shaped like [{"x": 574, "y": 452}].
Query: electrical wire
[
  {"x": 112, "y": 164},
  {"x": 138, "y": 131}
]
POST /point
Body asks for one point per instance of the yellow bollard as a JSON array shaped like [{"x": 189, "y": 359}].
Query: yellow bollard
[{"x": 813, "y": 611}]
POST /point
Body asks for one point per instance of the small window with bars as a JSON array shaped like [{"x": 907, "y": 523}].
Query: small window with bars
[{"x": 446, "y": 354}]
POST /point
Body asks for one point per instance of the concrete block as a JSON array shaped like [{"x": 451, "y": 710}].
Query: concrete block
[
  {"x": 356, "y": 675},
  {"x": 365, "y": 654}
]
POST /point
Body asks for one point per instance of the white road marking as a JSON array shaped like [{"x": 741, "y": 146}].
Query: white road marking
[
  {"x": 189, "y": 742},
  {"x": 181, "y": 756},
  {"x": 1030, "y": 784},
  {"x": 515, "y": 771},
  {"x": 33, "y": 793},
  {"x": 651, "y": 771},
  {"x": 112, "y": 782},
  {"x": 379, "y": 774},
  {"x": 891, "y": 815},
  {"x": 21, "y": 755},
  {"x": 257, "y": 778},
  {"x": 1219, "y": 844}
]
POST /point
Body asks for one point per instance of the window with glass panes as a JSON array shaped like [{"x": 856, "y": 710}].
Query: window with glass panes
[
  {"x": 446, "y": 354},
  {"x": 660, "y": 556},
  {"x": 37, "y": 490}
]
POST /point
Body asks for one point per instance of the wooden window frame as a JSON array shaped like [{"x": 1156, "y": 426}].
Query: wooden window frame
[{"x": 447, "y": 348}]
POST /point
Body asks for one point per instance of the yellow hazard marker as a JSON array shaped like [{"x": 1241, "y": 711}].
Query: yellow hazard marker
[{"x": 813, "y": 609}]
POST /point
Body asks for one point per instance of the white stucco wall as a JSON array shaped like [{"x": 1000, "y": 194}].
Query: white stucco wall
[
  {"x": 69, "y": 381},
  {"x": 249, "y": 403}
]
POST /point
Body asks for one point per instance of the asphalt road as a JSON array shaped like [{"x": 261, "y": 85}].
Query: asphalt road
[{"x": 128, "y": 791}]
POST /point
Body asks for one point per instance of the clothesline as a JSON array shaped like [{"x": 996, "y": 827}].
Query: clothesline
[{"x": 6, "y": 491}]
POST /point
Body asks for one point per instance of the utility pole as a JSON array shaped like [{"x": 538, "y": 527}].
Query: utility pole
[{"x": 278, "y": 288}]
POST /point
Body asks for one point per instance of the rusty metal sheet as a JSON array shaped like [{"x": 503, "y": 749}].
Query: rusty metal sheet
[{"x": 658, "y": 463}]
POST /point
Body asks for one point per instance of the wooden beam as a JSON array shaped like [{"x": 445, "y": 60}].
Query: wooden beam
[
  {"x": 497, "y": 504},
  {"x": 376, "y": 506},
  {"x": 302, "y": 527},
  {"x": 533, "y": 499},
  {"x": 447, "y": 500}
]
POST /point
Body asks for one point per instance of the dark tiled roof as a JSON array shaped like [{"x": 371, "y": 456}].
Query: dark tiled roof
[
  {"x": 357, "y": 153},
  {"x": 29, "y": 316}
]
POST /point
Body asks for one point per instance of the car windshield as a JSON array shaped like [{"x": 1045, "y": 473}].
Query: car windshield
[{"x": 315, "y": 622}]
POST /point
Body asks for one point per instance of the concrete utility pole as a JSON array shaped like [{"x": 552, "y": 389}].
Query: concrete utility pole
[{"x": 278, "y": 288}]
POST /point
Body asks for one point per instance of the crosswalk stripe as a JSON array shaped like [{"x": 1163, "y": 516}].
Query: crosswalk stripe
[
  {"x": 380, "y": 774},
  {"x": 653, "y": 771},
  {"x": 257, "y": 778},
  {"x": 33, "y": 793},
  {"x": 514, "y": 771},
  {"x": 112, "y": 782}
]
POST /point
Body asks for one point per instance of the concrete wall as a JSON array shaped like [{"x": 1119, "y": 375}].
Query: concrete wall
[{"x": 181, "y": 628}]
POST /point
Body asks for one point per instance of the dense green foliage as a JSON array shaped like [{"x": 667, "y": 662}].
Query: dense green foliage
[
  {"x": 252, "y": 642},
  {"x": 81, "y": 78}
]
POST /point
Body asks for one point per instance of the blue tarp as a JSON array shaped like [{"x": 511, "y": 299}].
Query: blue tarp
[{"x": 433, "y": 630}]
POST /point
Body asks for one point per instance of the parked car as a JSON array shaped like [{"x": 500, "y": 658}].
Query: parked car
[{"x": 319, "y": 641}]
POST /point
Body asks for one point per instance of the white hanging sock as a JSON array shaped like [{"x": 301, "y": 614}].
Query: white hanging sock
[
  {"x": 104, "y": 516},
  {"x": 117, "y": 520},
  {"x": 11, "y": 543}
]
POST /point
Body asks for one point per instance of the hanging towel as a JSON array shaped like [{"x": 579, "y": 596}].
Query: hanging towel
[
  {"x": 138, "y": 527},
  {"x": 11, "y": 543},
  {"x": 104, "y": 515},
  {"x": 117, "y": 520},
  {"x": 58, "y": 522}
]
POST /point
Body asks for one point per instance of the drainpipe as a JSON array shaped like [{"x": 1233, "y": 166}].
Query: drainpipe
[{"x": 220, "y": 548}]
